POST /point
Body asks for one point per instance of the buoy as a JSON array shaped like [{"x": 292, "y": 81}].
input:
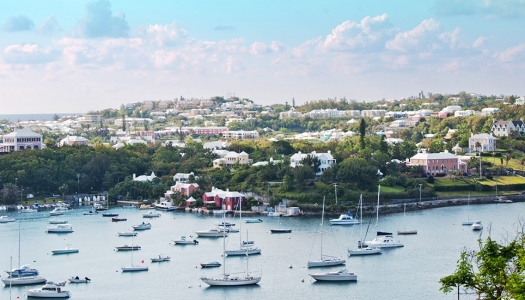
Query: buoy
[
  {"x": 302, "y": 280},
  {"x": 291, "y": 266},
  {"x": 195, "y": 267}
]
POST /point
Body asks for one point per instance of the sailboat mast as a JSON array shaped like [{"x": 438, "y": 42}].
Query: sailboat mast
[
  {"x": 240, "y": 222},
  {"x": 377, "y": 211},
  {"x": 322, "y": 225},
  {"x": 361, "y": 216},
  {"x": 223, "y": 244},
  {"x": 19, "y": 222}
]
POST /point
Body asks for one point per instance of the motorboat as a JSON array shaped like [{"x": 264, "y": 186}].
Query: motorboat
[
  {"x": 151, "y": 214},
  {"x": 118, "y": 219},
  {"x": 49, "y": 290},
  {"x": 345, "y": 219},
  {"x": 281, "y": 230},
  {"x": 24, "y": 270},
  {"x": 364, "y": 251},
  {"x": 213, "y": 232},
  {"x": 88, "y": 213},
  {"x": 110, "y": 215},
  {"x": 66, "y": 250},
  {"x": 28, "y": 210},
  {"x": 211, "y": 264},
  {"x": 476, "y": 225},
  {"x": 56, "y": 212},
  {"x": 57, "y": 221},
  {"x": 225, "y": 224},
  {"x": 143, "y": 226},
  {"x": 340, "y": 275},
  {"x": 165, "y": 205},
  {"x": 274, "y": 214},
  {"x": 161, "y": 258},
  {"x": 60, "y": 228},
  {"x": 244, "y": 251},
  {"x": 127, "y": 233},
  {"x": 99, "y": 207},
  {"x": 228, "y": 229},
  {"x": 253, "y": 220},
  {"x": 184, "y": 241},
  {"x": 25, "y": 280},
  {"x": 128, "y": 248},
  {"x": 76, "y": 279},
  {"x": 6, "y": 219},
  {"x": 384, "y": 241}
]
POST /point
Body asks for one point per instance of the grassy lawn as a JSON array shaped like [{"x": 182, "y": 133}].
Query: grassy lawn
[
  {"x": 503, "y": 180},
  {"x": 395, "y": 189},
  {"x": 473, "y": 193},
  {"x": 513, "y": 163}
]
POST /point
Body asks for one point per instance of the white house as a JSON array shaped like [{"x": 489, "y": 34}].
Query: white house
[
  {"x": 73, "y": 141},
  {"x": 231, "y": 159},
  {"x": 505, "y": 128},
  {"x": 216, "y": 145},
  {"x": 20, "y": 140},
  {"x": 485, "y": 140},
  {"x": 326, "y": 159},
  {"x": 183, "y": 177},
  {"x": 144, "y": 178}
]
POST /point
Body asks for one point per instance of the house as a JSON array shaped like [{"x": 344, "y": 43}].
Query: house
[
  {"x": 216, "y": 145},
  {"x": 506, "y": 128},
  {"x": 21, "y": 139},
  {"x": 265, "y": 163},
  {"x": 449, "y": 110},
  {"x": 73, "y": 141},
  {"x": 231, "y": 159},
  {"x": 184, "y": 177},
  {"x": 485, "y": 140},
  {"x": 185, "y": 189},
  {"x": 240, "y": 134},
  {"x": 225, "y": 199},
  {"x": 437, "y": 163},
  {"x": 326, "y": 159},
  {"x": 144, "y": 178}
]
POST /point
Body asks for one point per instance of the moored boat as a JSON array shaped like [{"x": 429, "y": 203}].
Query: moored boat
[
  {"x": 160, "y": 258},
  {"x": 165, "y": 205},
  {"x": 66, "y": 250},
  {"x": 344, "y": 219},
  {"x": 76, "y": 279},
  {"x": 476, "y": 225},
  {"x": 25, "y": 280},
  {"x": 6, "y": 219},
  {"x": 57, "y": 221},
  {"x": 211, "y": 264},
  {"x": 213, "y": 232},
  {"x": 127, "y": 233},
  {"x": 128, "y": 247},
  {"x": 109, "y": 215},
  {"x": 184, "y": 241},
  {"x": 384, "y": 241},
  {"x": 253, "y": 220},
  {"x": 151, "y": 214},
  {"x": 49, "y": 290},
  {"x": 60, "y": 228},
  {"x": 24, "y": 270},
  {"x": 143, "y": 226},
  {"x": 281, "y": 230},
  {"x": 118, "y": 219},
  {"x": 340, "y": 275}
]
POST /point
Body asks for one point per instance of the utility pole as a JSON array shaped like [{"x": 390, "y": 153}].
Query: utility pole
[
  {"x": 335, "y": 188},
  {"x": 78, "y": 182}
]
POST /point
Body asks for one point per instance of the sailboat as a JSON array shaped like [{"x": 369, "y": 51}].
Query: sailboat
[
  {"x": 405, "y": 231},
  {"x": 244, "y": 249},
  {"x": 383, "y": 239},
  {"x": 132, "y": 267},
  {"x": 363, "y": 250},
  {"x": 225, "y": 279},
  {"x": 468, "y": 222},
  {"x": 22, "y": 275},
  {"x": 325, "y": 260}
]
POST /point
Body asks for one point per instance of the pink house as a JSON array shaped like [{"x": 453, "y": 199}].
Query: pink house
[
  {"x": 185, "y": 189},
  {"x": 225, "y": 199},
  {"x": 438, "y": 163}
]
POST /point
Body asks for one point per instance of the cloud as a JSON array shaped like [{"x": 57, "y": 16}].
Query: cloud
[
  {"x": 370, "y": 33},
  {"x": 18, "y": 23},
  {"x": 224, "y": 28},
  {"x": 165, "y": 35},
  {"x": 49, "y": 25},
  {"x": 492, "y": 9},
  {"x": 419, "y": 36},
  {"x": 29, "y": 54},
  {"x": 258, "y": 48},
  {"x": 98, "y": 21},
  {"x": 513, "y": 54}
]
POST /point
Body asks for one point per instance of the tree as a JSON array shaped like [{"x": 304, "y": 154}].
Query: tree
[
  {"x": 63, "y": 189},
  {"x": 362, "y": 132},
  {"x": 9, "y": 193},
  {"x": 496, "y": 271}
]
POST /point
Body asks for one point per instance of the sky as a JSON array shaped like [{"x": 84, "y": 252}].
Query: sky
[{"x": 63, "y": 56}]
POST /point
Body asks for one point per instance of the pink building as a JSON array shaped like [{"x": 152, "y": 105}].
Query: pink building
[
  {"x": 185, "y": 189},
  {"x": 225, "y": 199},
  {"x": 438, "y": 163}
]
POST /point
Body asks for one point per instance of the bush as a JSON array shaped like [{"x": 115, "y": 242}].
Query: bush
[{"x": 430, "y": 179}]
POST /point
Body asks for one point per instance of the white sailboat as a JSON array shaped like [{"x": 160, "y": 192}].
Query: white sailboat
[
  {"x": 468, "y": 222},
  {"x": 383, "y": 239},
  {"x": 405, "y": 231},
  {"x": 363, "y": 250},
  {"x": 22, "y": 275},
  {"x": 325, "y": 260},
  {"x": 132, "y": 267},
  {"x": 226, "y": 279},
  {"x": 243, "y": 249}
]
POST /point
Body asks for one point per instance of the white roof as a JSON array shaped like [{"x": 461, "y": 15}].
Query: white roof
[
  {"x": 24, "y": 132},
  {"x": 441, "y": 155}
]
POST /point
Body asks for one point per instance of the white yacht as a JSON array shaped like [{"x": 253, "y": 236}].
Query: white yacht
[
  {"x": 57, "y": 221},
  {"x": 25, "y": 280},
  {"x": 151, "y": 214},
  {"x": 165, "y": 205},
  {"x": 24, "y": 270},
  {"x": 60, "y": 228},
  {"x": 184, "y": 241},
  {"x": 340, "y": 275},
  {"x": 6, "y": 219},
  {"x": 49, "y": 290},
  {"x": 344, "y": 219},
  {"x": 476, "y": 225},
  {"x": 56, "y": 212},
  {"x": 384, "y": 241},
  {"x": 143, "y": 226},
  {"x": 213, "y": 232}
]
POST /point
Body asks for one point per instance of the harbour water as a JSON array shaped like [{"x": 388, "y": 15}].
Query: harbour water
[{"x": 411, "y": 272}]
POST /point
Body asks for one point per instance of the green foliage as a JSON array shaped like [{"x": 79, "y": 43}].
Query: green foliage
[{"x": 495, "y": 271}]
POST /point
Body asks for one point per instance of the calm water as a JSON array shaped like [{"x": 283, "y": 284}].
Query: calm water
[
  {"x": 37, "y": 117},
  {"x": 411, "y": 272}
]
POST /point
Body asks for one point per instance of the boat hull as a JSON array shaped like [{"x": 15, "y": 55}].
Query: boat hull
[
  {"x": 64, "y": 251},
  {"x": 134, "y": 269},
  {"x": 239, "y": 252},
  {"x": 45, "y": 294},
  {"x": 127, "y": 234},
  {"x": 281, "y": 231},
  {"x": 214, "y": 264},
  {"x": 326, "y": 263},
  {"x": 406, "y": 232},
  {"x": 364, "y": 251},
  {"x": 231, "y": 281},
  {"x": 24, "y": 280},
  {"x": 328, "y": 277}
]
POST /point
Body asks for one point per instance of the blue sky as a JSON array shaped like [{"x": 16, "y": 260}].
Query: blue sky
[{"x": 59, "y": 56}]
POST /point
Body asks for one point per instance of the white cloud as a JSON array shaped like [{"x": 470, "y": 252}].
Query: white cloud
[
  {"x": 29, "y": 54},
  {"x": 98, "y": 21},
  {"x": 258, "y": 48},
  {"x": 479, "y": 42},
  {"x": 165, "y": 35},
  {"x": 418, "y": 37},
  {"x": 513, "y": 54},
  {"x": 18, "y": 23},
  {"x": 368, "y": 33}
]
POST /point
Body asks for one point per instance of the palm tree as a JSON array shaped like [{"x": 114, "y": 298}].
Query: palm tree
[{"x": 63, "y": 189}]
